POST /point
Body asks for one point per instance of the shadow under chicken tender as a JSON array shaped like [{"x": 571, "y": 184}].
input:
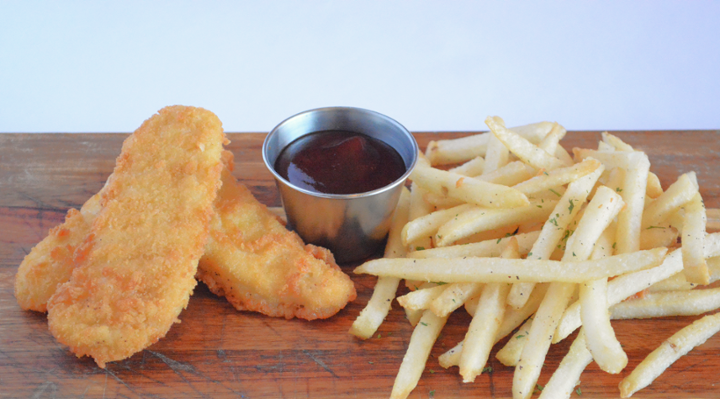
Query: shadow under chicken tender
[
  {"x": 134, "y": 272},
  {"x": 258, "y": 265}
]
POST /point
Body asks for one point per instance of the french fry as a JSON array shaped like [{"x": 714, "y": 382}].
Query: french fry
[
  {"x": 566, "y": 376},
  {"x": 486, "y": 249},
  {"x": 550, "y": 142},
  {"x": 563, "y": 156},
  {"x": 418, "y": 208},
  {"x": 669, "y": 351},
  {"x": 446, "y": 152},
  {"x": 453, "y": 297},
  {"x": 472, "y": 168},
  {"x": 557, "y": 177},
  {"x": 422, "y": 298},
  {"x": 637, "y": 166},
  {"x": 476, "y": 219},
  {"x": 378, "y": 306},
  {"x": 678, "y": 194},
  {"x": 468, "y": 189},
  {"x": 509, "y": 355},
  {"x": 485, "y": 323},
  {"x": 422, "y": 340},
  {"x": 521, "y": 147},
  {"x": 615, "y": 142},
  {"x": 621, "y": 288},
  {"x": 554, "y": 228},
  {"x": 426, "y": 226},
  {"x": 513, "y": 318},
  {"x": 497, "y": 155},
  {"x": 498, "y": 270},
  {"x": 654, "y": 189},
  {"x": 579, "y": 247},
  {"x": 668, "y": 303},
  {"x": 693, "y": 242},
  {"x": 678, "y": 282},
  {"x": 662, "y": 235},
  {"x": 509, "y": 175}
]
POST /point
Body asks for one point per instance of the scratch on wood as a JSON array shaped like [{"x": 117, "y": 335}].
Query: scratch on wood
[
  {"x": 173, "y": 364},
  {"x": 319, "y": 362},
  {"x": 44, "y": 387}
]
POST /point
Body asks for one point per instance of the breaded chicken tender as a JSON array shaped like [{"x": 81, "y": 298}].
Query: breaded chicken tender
[
  {"x": 134, "y": 272},
  {"x": 258, "y": 265},
  {"x": 50, "y": 262}
]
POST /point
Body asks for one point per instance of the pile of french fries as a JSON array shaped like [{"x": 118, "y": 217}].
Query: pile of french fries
[{"x": 528, "y": 238}]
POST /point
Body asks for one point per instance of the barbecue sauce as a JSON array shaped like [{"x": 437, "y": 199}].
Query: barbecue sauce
[{"x": 339, "y": 162}]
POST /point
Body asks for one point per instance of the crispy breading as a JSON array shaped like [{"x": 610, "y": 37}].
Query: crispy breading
[
  {"x": 50, "y": 263},
  {"x": 258, "y": 265},
  {"x": 134, "y": 271}
]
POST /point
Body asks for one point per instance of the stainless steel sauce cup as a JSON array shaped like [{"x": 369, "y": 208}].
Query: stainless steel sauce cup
[{"x": 352, "y": 226}]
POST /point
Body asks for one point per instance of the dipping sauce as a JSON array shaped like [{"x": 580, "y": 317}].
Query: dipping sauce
[{"x": 339, "y": 162}]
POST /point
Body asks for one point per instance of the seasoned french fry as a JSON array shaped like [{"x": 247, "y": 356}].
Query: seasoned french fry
[
  {"x": 677, "y": 195},
  {"x": 419, "y": 208},
  {"x": 513, "y": 318},
  {"x": 422, "y": 298},
  {"x": 521, "y": 147},
  {"x": 678, "y": 282},
  {"x": 654, "y": 189},
  {"x": 498, "y": 270},
  {"x": 662, "y": 235},
  {"x": 637, "y": 166},
  {"x": 476, "y": 219},
  {"x": 566, "y": 376},
  {"x": 693, "y": 242},
  {"x": 600, "y": 336},
  {"x": 616, "y": 142},
  {"x": 453, "y": 297},
  {"x": 509, "y": 355},
  {"x": 485, "y": 249},
  {"x": 669, "y": 351},
  {"x": 497, "y": 155},
  {"x": 621, "y": 288},
  {"x": 579, "y": 247},
  {"x": 550, "y": 142},
  {"x": 422, "y": 340},
  {"x": 485, "y": 323},
  {"x": 554, "y": 228},
  {"x": 557, "y": 177},
  {"x": 378, "y": 306},
  {"x": 509, "y": 175},
  {"x": 468, "y": 189},
  {"x": 668, "y": 303},
  {"x": 445, "y": 152},
  {"x": 426, "y": 226},
  {"x": 472, "y": 168}
]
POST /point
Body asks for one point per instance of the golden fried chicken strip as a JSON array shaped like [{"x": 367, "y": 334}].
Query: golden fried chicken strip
[
  {"x": 50, "y": 263},
  {"x": 134, "y": 271},
  {"x": 258, "y": 265}
]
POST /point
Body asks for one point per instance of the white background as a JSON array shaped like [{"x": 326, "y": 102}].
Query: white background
[{"x": 87, "y": 66}]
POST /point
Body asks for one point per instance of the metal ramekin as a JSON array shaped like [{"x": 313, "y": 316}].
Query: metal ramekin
[{"x": 352, "y": 226}]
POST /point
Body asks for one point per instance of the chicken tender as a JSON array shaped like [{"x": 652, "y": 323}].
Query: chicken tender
[
  {"x": 134, "y": 271},
  {"x": 258, "y": 265},
  {"x": 50, "y": 263}
]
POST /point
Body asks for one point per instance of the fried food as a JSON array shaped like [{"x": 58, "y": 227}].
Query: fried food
[
  {"x": 250, "y": 258},
  {"x": 50, "y": 262},
  {"x": 258, "y": 265},
  {"x": 133, "y": 272}
]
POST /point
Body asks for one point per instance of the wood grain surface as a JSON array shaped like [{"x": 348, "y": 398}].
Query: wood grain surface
[{"x": 219, "y": 352}]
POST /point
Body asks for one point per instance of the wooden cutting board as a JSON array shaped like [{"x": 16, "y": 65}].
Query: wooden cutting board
[{"x": 219, "y": 352}]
